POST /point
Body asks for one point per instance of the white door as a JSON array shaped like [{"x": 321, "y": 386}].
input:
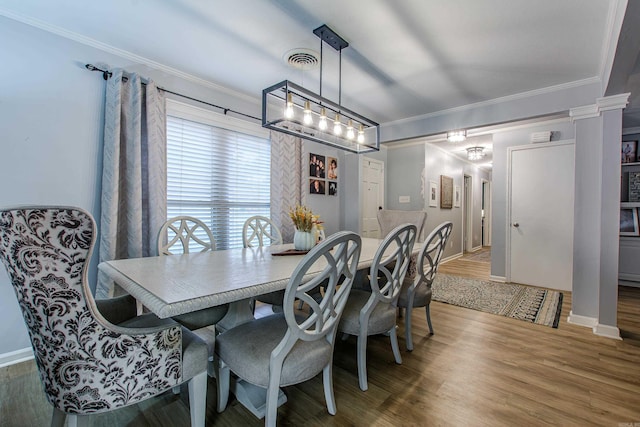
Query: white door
[
  {"x": 372, "y": 196},
  {"x": 540, "y": 221},
  {"x": 467, "y": 215}
]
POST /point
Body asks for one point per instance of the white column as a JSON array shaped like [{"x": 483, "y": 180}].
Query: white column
[{"x": 597, "y": 214}]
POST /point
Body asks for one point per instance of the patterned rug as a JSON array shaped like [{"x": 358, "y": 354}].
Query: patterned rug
[{"x": 526, "y": 303}]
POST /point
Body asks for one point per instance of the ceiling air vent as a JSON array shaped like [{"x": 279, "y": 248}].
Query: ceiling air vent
[{"x": 302, "y": 59}]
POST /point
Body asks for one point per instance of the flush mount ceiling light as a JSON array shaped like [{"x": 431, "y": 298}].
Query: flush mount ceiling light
[
  {"x": 475, "y": 153},
  {"x": 456, "y": 135},
  {"x": 292, "y": 109}
]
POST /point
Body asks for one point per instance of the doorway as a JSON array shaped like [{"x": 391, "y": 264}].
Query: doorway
[
  {"x": 372, "y": 196},
  {"x": 540, "y": 215}
]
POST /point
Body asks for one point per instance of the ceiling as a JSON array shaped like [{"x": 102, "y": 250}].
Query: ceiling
[{"x": 406, "y": 58}]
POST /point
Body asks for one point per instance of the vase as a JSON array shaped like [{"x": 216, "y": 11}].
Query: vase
[{"x": 304, "y": 240}]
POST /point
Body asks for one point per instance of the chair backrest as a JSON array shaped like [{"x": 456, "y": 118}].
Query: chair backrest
[
  {"x": 389, "y": 219},
  {"x": 261, "y": 230},
  {"x": 85, "y": 364},
  {"x": 390, "y": 264},
  {"x": 181, "y": 234},
  {"x": 431, "y": 253},
  {"x": 340, "y": 254}
]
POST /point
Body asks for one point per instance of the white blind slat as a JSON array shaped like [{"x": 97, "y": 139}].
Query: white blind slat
[{"x": 220, "y": 176}]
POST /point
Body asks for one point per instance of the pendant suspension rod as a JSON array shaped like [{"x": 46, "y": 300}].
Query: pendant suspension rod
[
  {"x": 106, "y": 74},
  {"x": 321, "y": 43},
  {"x": 340, "y": 80}
]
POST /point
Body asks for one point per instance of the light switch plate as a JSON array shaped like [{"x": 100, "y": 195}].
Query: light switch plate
[{"x": 404, "y": 199}]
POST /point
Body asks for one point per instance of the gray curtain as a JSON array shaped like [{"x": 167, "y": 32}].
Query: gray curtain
[
  {"x": 134, "y": 172},
  {"x": 287, "y": 180}
]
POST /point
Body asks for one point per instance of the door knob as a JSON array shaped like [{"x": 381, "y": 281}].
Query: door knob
[{"x": 516, "y": 225}]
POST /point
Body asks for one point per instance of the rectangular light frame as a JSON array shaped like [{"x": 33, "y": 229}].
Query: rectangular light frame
[{"x": 273, "y": 105}]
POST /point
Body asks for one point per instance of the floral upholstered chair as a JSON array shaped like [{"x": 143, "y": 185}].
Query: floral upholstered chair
[{"x": 87, "y": 363}]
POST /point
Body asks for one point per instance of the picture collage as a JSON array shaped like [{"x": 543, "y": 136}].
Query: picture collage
[{"x": 323, "y": 175}]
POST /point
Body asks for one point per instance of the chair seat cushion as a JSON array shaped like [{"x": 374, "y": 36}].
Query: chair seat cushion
[
  {"x": 247, "y": 348},
  {"x": 202, "y": 318},
  {"x": 422, "y": 297},
  {"x": 382, "y": 319},
  {"x": 273, "y": 298}
]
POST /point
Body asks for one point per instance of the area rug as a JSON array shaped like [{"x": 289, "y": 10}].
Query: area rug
[{"x": 528, "y": 303}]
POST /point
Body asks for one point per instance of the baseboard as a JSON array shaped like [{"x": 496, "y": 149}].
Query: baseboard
[
  {"x": 588, "y": 322},
  {"x": 500, "y": 279},
  {"x": 17, "y": 356},
  {"x": 476, "y": 249},
  {"x": 607, "y": 331},
  {"x": 450, "y": 258},
  {"x": 629, "y": 280}
]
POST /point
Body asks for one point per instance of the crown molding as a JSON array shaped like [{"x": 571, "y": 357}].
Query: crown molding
[
  {"x": 87, "y": 41},
  {"x": 614, "y": 102},
  {"x": 496, "y": 101},
  {"x": 615, "y": 18}
]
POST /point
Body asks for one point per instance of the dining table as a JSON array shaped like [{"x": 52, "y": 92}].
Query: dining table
[{"x": 178, "y": 284}]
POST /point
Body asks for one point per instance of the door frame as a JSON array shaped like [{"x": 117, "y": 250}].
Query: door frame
[
  {"x": 509, "y": 202},
  {"x": 381, "y": 188},
  {"x": 467, "y": 213},
  {"x": 486, "y": 229}
]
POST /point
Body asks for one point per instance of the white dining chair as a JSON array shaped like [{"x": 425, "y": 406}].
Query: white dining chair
[
  {"x": 182, "y": 235},
  {"x": 373, "y": 311},
  {"x": 289, "y": 348},
  {"x": 417, "y": 292}
]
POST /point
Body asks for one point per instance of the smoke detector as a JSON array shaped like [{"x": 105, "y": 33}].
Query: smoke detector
[{"x": 302, "y": 59}]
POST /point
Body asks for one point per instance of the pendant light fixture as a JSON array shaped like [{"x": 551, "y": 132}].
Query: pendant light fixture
[
  {"x": 475, "y": 153},
  {"x": 292, "y": 109}
]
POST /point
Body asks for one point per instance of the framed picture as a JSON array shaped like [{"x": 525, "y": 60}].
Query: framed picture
[
  {"x": 332, "y": 168},
  {"x": 456, "y": 196},
  {"x": 433, "y": 194},
  {"x": 333, "y": 188},
  {"x": 316, "y": 186},
  {"x": 634, "y": 186},
  {"x": 446, "y": 192},
  {"x": 628, "y": 222},
  {"x": 629, "y": 151},
  {"x": 316, "y": 166}
]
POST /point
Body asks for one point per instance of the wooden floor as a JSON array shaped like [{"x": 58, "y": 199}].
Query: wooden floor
[{"x": 477, "y": 370}]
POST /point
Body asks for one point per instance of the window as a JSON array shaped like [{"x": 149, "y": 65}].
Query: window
[{"x": 217, "y": 170}]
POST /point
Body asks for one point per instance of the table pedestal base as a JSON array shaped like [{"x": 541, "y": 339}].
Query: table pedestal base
[{"x": 254, "y": 398}]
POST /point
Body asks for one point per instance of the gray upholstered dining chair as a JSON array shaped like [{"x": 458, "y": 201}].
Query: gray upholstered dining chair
[
  {"x": 87, "y": 363},
  {"x": 184, "y": 234},
  {"x": 373, "y": 311},
  {"x": 417, "y": 292},
  {"x": 261, "y": 231},
  {"x": 289, "y": 348},
  {"x": 388, "y": 219}
]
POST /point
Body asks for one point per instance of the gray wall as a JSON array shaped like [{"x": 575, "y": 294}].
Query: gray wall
[
  {"x": 501, "y": 142},
  {"x": 51, "y": 111},
  {"x": 404, "y": 170}
]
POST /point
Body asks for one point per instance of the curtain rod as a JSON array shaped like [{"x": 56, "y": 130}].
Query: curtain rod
[{"x": 106, "y": 74}]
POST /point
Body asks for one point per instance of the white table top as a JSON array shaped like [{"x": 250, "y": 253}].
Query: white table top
[{"x": 177, "y": 284}]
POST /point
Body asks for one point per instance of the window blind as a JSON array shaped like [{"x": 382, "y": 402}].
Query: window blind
[{"x": 217, "y": 174}]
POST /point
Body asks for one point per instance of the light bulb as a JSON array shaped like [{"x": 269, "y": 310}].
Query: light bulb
[
  {"x": 322, "y": 124},
  {"x": 307, "y": 118},
  {"x": 361, "y": 134},
  {"x": 288, "y": 111},
  {"x": 337, "y": 127},
  {"x": 350, "y": 133}
]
